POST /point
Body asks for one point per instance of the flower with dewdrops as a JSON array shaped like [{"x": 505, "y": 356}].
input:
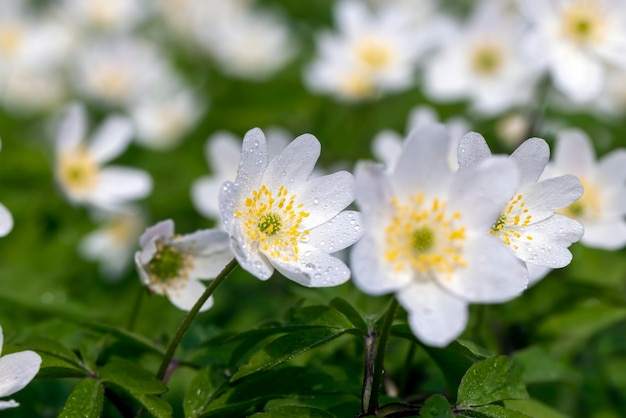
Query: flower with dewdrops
[
  {"x": 16, "y": 371},
  {"x": 428, "y": 235},
  {"x": 79, "y": 167},
  {"x": 578, "y": 41},
  {"x": 602, "y": 206},
  {"x": 114, "y": 242},
  {"x": 528, "y": 224},
  {"x": 173, "y": 265},
  {"x": 280, "y": 218},
  {"x": 222, "y": 151}
]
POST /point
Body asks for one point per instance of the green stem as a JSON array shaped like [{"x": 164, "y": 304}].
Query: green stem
[
  {"x": 171, "y": 349},
  {"x": 135, "y": 312},
  {"x": 374, "y": 372}
]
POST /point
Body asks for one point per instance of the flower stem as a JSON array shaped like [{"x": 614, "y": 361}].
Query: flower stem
[
  {"x": 374, "y": 361},
  {"x": 135, "y": 312},
  {"x": 169, "y": 354}
]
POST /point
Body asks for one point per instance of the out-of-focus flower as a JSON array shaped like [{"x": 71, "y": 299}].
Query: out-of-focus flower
[
  {"x": 78, "y": 167},
  {"x": 577, "y": 40},
  {"x": 428, "y": 235},
  {"x": 528, "y": 224},
  {"x": 602, "y": 206},
  {"x": 6, "y": 219},
  {"x": 174, "y": 265},
  {"x": 114, "y": 242},
  {"x": 279, "y": 218},
  {"x": 162, "y": 120},
  {"x": 222, "y": 151},
  {"x": 105, "y": 15},
  {"x": 372, "y": 52},
  {"x": 16, "y": 371},
  {"x": 482, "y": 62},
  {"x": 387, "y": 145}
]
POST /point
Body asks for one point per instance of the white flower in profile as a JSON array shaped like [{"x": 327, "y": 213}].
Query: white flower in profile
[
  {"x": 528, "y": 224},
  {"x": 602, "y": 206},
  {"x": 578, "y": 40},
  {"x": 174, "y": 265},
  {"x": 16, "y": 371},
  {"x": 222, "y": 151},
  {"x": 79, "y": 164},
  {"x": 280, "y": 218},
  {"x": 114, "y": 242},
  {"x": 428, "y": 235},
  {"x": 482, "y": 62}
]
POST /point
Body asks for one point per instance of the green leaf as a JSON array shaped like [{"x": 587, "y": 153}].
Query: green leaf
[
  {"x": 139, "y": 343},
  {"x": 291, "y": 411},
  {"x": 350, "y": 313},
  {"x": 533, "y": 408},
  {"x": 491, "y": 380},
  {"x": 572, "y": 328},
  {"x": 57, "y": 361},
  {"x": 85, "y": 400},
  {"x": 201, "y": 391},
  {"x": 287, "y": 347},
  {"x": 437, "y": 406},
  {"x": 324, "y": 316},
  {"x": 493, "y": 411},
  {"x": 539, "y": 366}
]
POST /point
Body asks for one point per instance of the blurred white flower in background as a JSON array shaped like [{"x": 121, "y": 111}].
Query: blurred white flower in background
[
  {"x": 577, "y": 41},
  {"x": 16, "y": 371},
  {"x": 104, "y": 15},
  {"x": 602, "y": 206},
  {"x": 173, "y": 265},
  {"x": 113, "y": 243},
  {"x": 79, "y": 163},
  {"x": 222, "y": 151},
  {"x": 481, "y": 61},
  {"x": 6, "y": 219}
]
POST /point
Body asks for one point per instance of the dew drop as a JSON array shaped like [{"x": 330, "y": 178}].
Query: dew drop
[{"x": 316, "y": 201}]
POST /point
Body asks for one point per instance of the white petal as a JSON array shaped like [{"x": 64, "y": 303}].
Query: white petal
[
  {"x": 253, "y": 162},
  {"x": 314, "y": 268},
  {"x": 473, "y": 149},
  {"x": 536, "y": 273},
  {"x": 493, "y": 273},
  {"x": 17, "y": 370},
  {"x": 187, "y": 296},
  {"x": 8, "y": 404},
  {"x": 223, "y": 151},
  {"x": 324, "y": 197},
  {"x": 612, "y": 168},
  {"x": 163, "y": 229},
  {"x": 574, "y": 153},
  {"x": 118, "y": 184},
  {"x": 210, "y": 249},
  {"x": 435, "y": 316},
  {"x": 370, "y": 274},
  {"x": 338, "y": 233},
  {"x": 205, "y": 196},
  {"x": 72, "y": 129},
  {"x": 578, "y": 76},
  {"x": 387, "y": 147},
  {"x": 373, "y": 191},
  {"x": 294, "y": 165},
  {"x": 250, "y": 259},
  {"x": 6, "y": 221},
  {"x": 111, "y": 139},
  {"x": 609, "y": 234},
  {"x": 424, "y": 161},
  {"x": 541, "y": 199},
  {"x": 531, "y": 158}
]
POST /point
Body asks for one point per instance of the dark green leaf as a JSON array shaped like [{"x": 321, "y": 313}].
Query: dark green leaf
[
  {"x": 85, "y": 400},
  {"x": 201, "y": 391},
  {"x": 350, "y": 313},
  {"x": 324, "y": 316},
  {"x": 291, "y": 411},
  {"x": 131, "y": 376},
  {"x": 493, "y": 411},
  {"x": 287, "y": 347},
  {"x": 491, "y": 380},
  {"x": 539, "y": 366},
  {"x": 437, "y": 406},
  {"x": 52, "y": 348},
  {"x": 533, "y": 408},
  {"x": 137, "y": 341}
]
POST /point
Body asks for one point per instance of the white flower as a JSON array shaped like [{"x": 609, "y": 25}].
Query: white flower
[
  {"x": 578, "y": 40},
  {"x": 6, "y": 219},
  {"x": 104, "y": 15},
  {"x": 528, "y": 224},
  {"x": 173, "y": 265},
  {"x": 482, "y": 62},
  {"x": 280, "y": 218},
  {"x": 428, "y": 235},
  {"x": 222, "y": 151},
  {"x": 602, "y": 206},
  {"x": 16, "y": 371},
  {"x": 113, "y": 243},
  {"x": 79, "y": 170}
]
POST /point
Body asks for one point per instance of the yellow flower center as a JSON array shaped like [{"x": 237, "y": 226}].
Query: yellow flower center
[
  {"x": 374, "y": 54},
  {"x": 514, "y": 217},
  {"x": 588, "y": 207},
  {"x": 487, "y": 58},
  {"x": 357, "y": 85},
  {"x": 77, "y": 171},
  {"x": 113, "y": 82},
  {"x": 168, "y": 269},
  {"x": 425, "y": 236},
  {"x": 274, "y": 222},
  {"x": 584, "y": 22},
  {"x": 10, "y": 38}
]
